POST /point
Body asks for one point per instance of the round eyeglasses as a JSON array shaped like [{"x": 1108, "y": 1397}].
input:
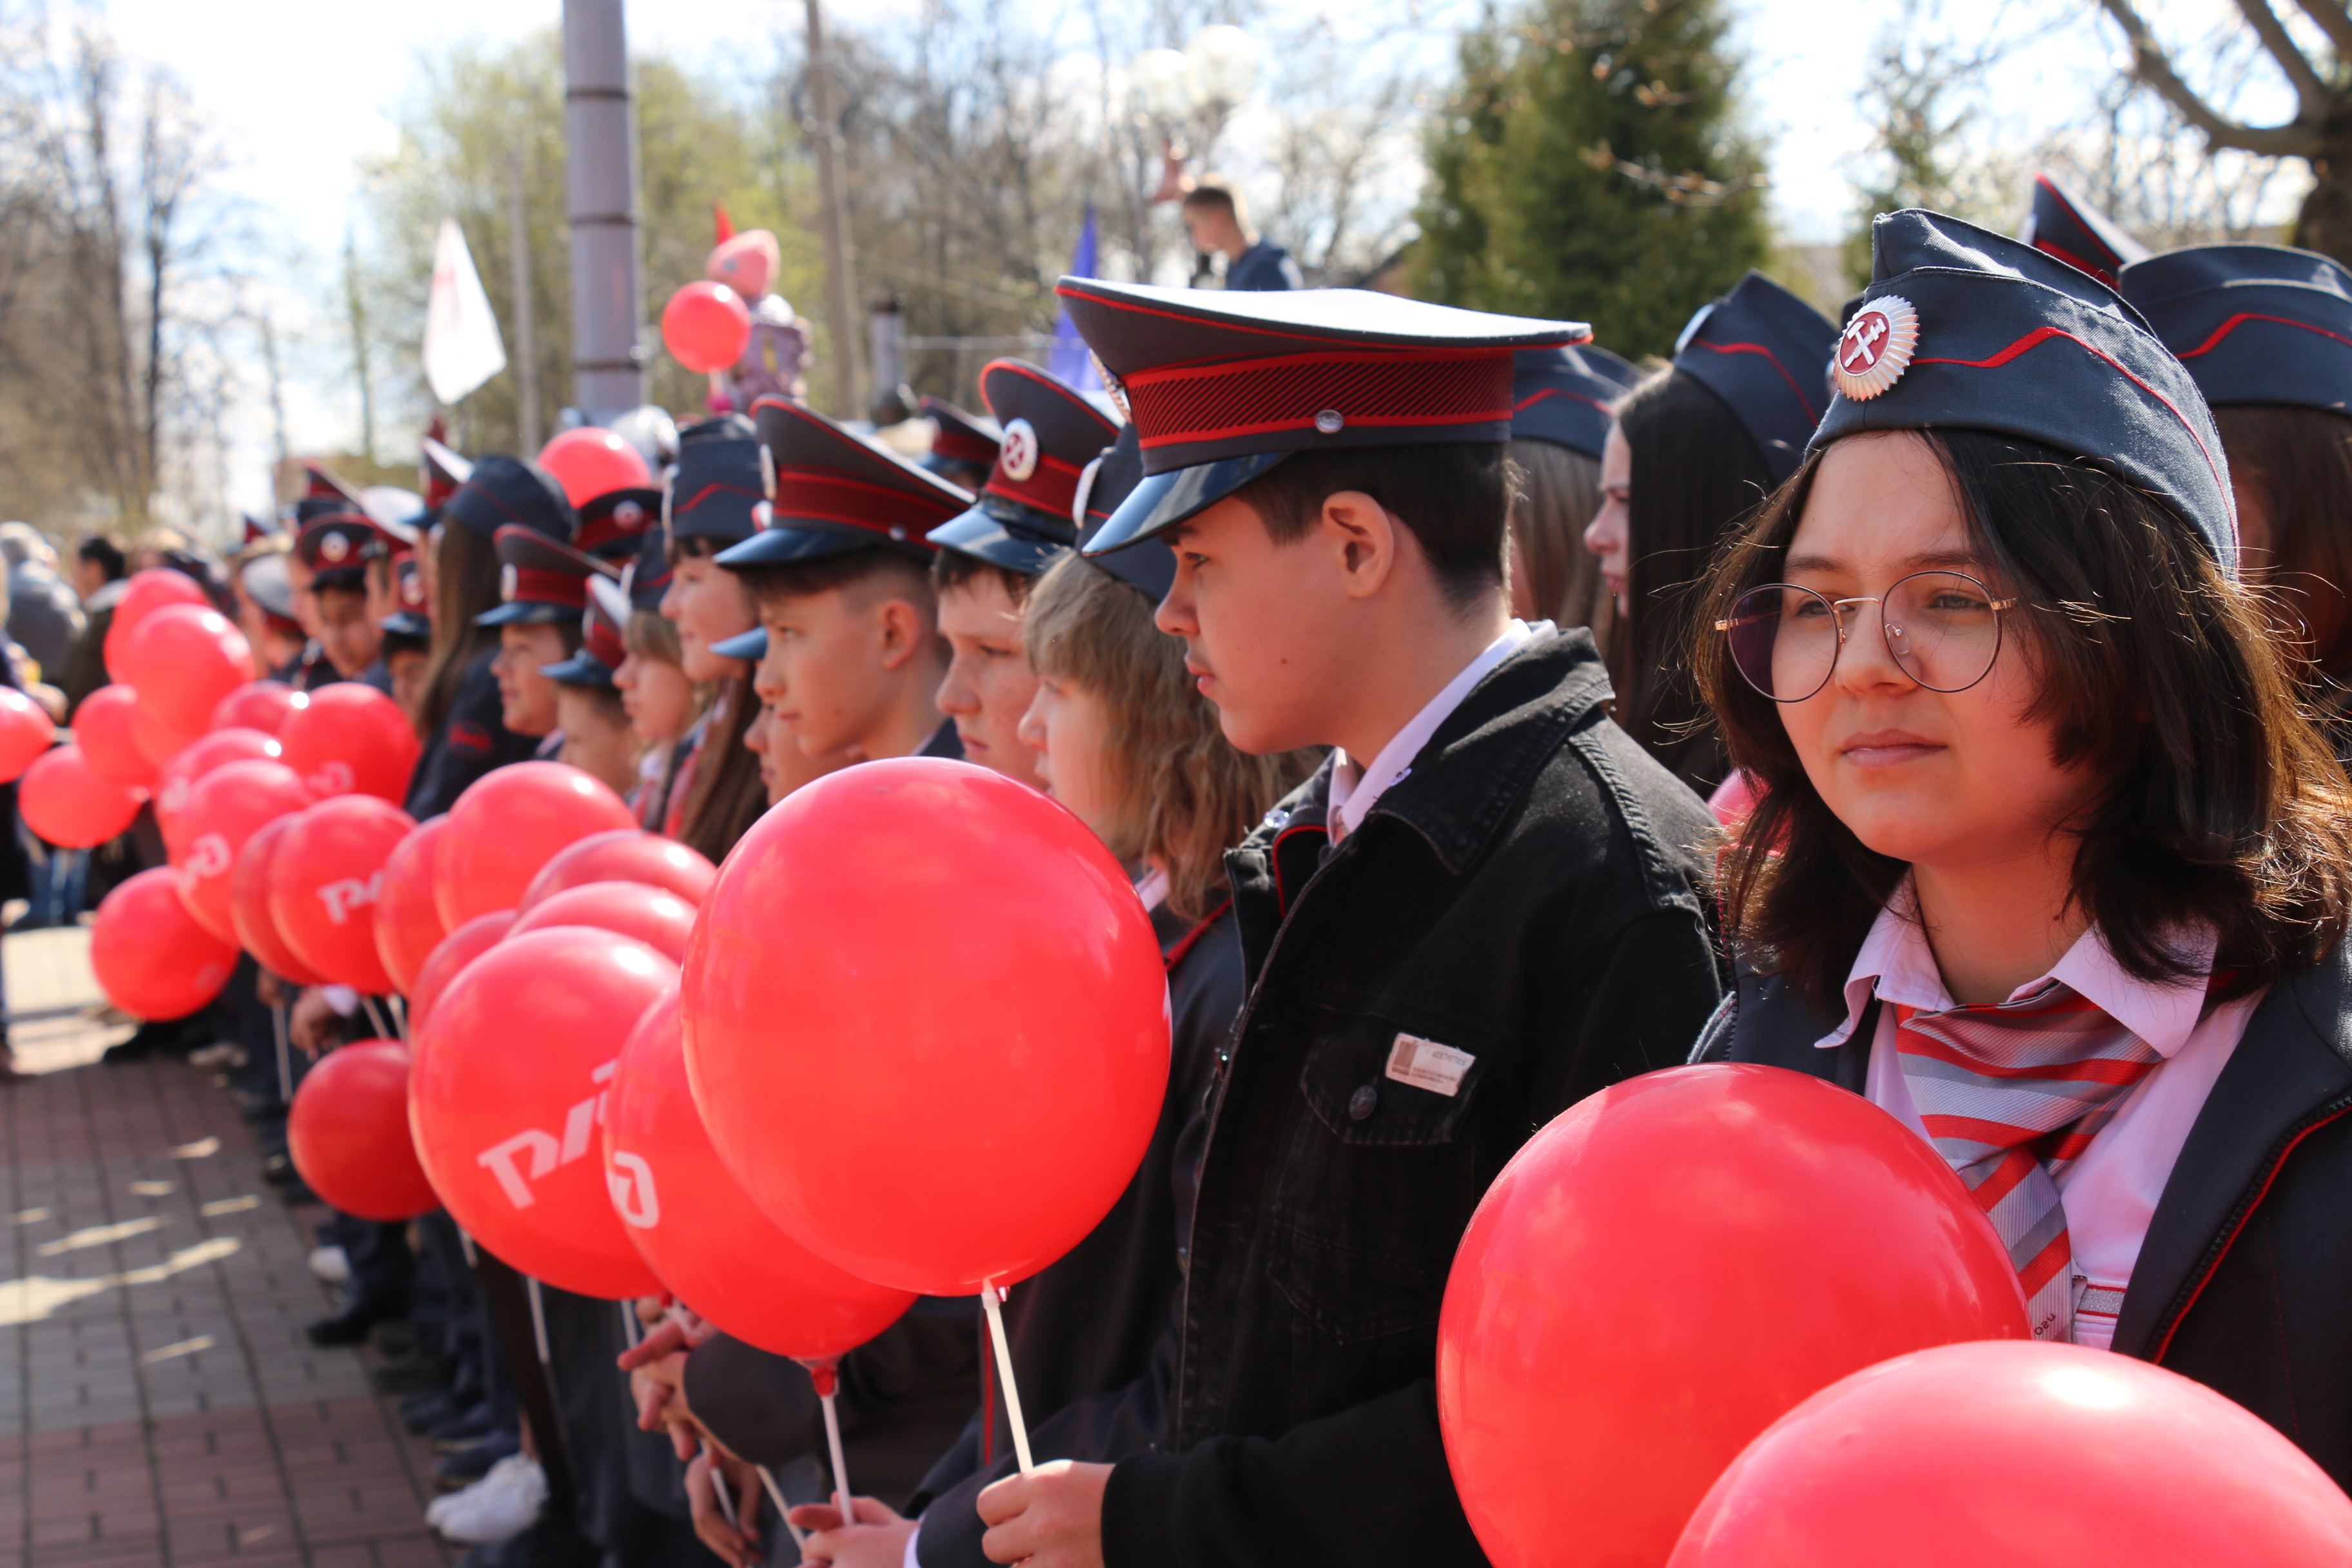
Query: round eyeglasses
[{"x": 1941, "y": 629}]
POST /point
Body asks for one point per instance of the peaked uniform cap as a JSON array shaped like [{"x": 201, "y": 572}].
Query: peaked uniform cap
[
  {"x": 2007, "y": 338},
  {"x": 718, "y": 490},
  {"x": 267, "y": 585},
  {"x": 1564, "y": 396},
  {"x": 539, "y": 579},
  {"x": 2060, "y": 224},
  {"x": 411, "y": 626},
  {"x": 2254, "y": 323},
  {"x": 1764, "y": 351},
  {"x": 1222, "y": 385},
  {"x": 602, "y": 650},
  {"x": 1148, "y": 565},
  {"x": 1022, "y": 519},
  {"x": 508, "y": 492},
  {"x": 646, "y": 578},
  {"x": 960, "y": 439},
  {"x": 834, "y": 493},
  {"x": 442, "y": 471},
  {"x": 338, "y": 546},
  {"x": 611, "y": 524},
  {"x": 750, "y": 647}
]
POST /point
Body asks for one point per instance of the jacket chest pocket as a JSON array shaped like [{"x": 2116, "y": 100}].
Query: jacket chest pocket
[{"x": 1378, "y": 1179}]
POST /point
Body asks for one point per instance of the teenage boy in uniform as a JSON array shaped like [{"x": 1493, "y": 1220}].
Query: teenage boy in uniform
[
  {"x": 542, "y": 591},
  {"x": 332, "y": 553},
  {"x": 842, "y": 577},
  {"x": 989, "y": 557},
  {"x": 1483, "y": 907}
]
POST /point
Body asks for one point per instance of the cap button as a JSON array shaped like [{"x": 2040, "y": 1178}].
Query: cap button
[
  {"x": 1363, "y": 1102},
  {"x": 1330, "y": 421}
]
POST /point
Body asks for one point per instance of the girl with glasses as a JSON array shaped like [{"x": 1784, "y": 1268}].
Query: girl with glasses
[{"x": 2048, "y": 864}]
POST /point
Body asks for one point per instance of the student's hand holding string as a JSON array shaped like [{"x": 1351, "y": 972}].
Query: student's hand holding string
[
  {"x": 307, "y": 1025},
  {"x": 876, "y": 1538},
  {"x": 735, "y": 1544},
  {"x": 1050, "y": 1518}
]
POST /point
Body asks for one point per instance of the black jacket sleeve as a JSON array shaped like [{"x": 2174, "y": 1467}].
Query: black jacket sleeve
[{"x": 472, "y": 740}]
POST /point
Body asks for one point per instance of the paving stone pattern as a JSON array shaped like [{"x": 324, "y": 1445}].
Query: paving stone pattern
[{"x": 158, "y": 1401}]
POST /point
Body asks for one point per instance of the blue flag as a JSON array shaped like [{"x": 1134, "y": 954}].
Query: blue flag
[{"x": 1069, "y": 358}]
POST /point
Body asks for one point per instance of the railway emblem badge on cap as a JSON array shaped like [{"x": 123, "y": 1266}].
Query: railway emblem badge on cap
[
  {"x": 1876, "y": 347},
  {"x": 1018, "y": 459}
]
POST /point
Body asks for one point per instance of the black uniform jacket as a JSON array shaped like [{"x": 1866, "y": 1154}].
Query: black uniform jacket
[
  {"x": 1526, "y": 895},
  {"x": 472, "y": 740},
  {"x": 1094, "y": 1337},
  {"x": 2245, "y": 1275}
]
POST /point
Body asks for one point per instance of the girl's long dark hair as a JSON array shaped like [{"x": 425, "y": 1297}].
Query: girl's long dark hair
[
  {"x": 465, "y": 584},
  {"x": 2222, "y": 807},
  {"x": 1696, "y": 475}
]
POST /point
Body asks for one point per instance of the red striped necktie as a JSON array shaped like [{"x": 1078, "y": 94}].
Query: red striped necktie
[{"x": 2011, "y": 1094}]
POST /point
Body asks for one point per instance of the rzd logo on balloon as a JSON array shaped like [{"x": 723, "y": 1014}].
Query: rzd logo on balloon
[
  {"x": 208, "y": 858},
  {"x": 632, "y": 1186},
  {"x": 542, "y": 1152},
  {"x": 344, "y": 896}
]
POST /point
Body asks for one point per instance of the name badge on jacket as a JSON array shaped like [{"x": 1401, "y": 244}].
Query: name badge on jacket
[{"x": 1425, "y": 1063}]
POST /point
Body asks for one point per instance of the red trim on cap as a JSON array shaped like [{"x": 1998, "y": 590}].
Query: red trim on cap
[
  {"x": 2041, "y": 335},
  {"x": 603, "y": 643},
  {"x": 2052, "y": 248},
  {"x": 707, "y": 491},
  {"x": 1380, "y": 389},
  {"x": 828, "y": 495},
  {"x": 1796, "y": 389},
  {"x": 538, "y": 585},
  {"x": 958, "y": 445},
  {"x": 2241, "y": 318},
  {"x": 1052, "y": 486},
  {"x": 1524, "y": 404}
]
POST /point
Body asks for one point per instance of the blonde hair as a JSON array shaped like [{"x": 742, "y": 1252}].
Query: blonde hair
[
  {"x": 652, "y": 634},
  {"x": 1183, "y": 793},
  {"x": 1559, "y": 491}
]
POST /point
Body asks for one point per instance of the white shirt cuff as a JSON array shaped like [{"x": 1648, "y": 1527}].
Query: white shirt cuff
[
  {"x": 342, "y": 998},
  {"x": 918, "y": 1534}
]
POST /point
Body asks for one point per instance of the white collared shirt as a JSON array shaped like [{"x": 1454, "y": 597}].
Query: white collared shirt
[
  {"x": 2110, "y": 1193},
  {"x": 1355, "y": 790}
]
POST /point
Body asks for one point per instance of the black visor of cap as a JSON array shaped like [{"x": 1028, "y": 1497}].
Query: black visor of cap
[
  {"x": 1147, "y": 564},
  {"x": 1005, "y": 532}
]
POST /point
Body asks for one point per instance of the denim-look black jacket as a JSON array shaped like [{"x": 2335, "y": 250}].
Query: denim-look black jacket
[
  {"x": 2246, "y": 1269},
  {"x": 1528, "y": 895}
]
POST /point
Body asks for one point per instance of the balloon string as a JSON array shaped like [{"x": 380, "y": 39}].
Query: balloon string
[
  {"x": 629, "y": 1332},
  {"x": 825, "y": 1386},
  {"x": 1005, "y": 1375},
  {"x": 382, "y": 1029},
  {"x": 399, "y": 1014},
  {"x": 719, "y": 1489},
  {"x": 538, "y": 1320},
  {"x": 783, "y": 1509},
  {"x": 285, "y": 1063}
]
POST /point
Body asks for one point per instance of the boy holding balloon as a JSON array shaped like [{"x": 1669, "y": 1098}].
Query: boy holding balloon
[{"x": 1484, "y": 907}]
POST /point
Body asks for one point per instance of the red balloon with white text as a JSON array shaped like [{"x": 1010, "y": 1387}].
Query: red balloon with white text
[
  {"x": 225, "y": 807},
  {"x": 350, "y": 737},
  {"x": 178, "y": 781},
  {"x": 324, "y": 882},
  {"x": 249, "y": 903},
  {"x": 407, "y": 921}
]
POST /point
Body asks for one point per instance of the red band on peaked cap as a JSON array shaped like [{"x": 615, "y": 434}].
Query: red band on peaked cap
[
  {"x": 1065, "y": 433},
  {"x": 828, "y": 477},
  {"x": 535, "y": 586},
  {"x": 959, "y": 437},
  {"x": 1214, "y": 376},
  {"x": 601, "y": 643},
  {"x": 1052, "y": 486}
]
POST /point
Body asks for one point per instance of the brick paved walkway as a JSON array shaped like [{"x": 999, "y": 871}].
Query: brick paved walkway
[{"x": 158, "y": 1401}]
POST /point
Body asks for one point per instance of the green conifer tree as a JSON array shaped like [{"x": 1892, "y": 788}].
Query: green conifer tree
[{"x": 1594, "y": 163}]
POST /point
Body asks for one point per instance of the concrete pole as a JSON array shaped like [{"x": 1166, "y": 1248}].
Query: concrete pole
[
  {"x": 839, "y": 287},
  {"x": 525, "y": 309},
  {"x": 600, "y": 181}
]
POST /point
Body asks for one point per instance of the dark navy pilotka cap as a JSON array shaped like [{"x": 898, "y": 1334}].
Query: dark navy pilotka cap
[
  {"x": 832, "y": 493},
  {"x": 2254, "y": 323},
  {"x": 501, "y": 492},
  {"x": 540, "y": 580},
  {"x": 2060, "y": 224},
  {"x": 1966, "y": 328},
  {"x": 719, "y": 488},
  {"x": 1221, "y": 386},
  {"x": 1763, "y": 350},
  {"x": 1147, "y": 564},
  {"x": 1564, "y": 396},
  {"x": 1020, "y": 520}
]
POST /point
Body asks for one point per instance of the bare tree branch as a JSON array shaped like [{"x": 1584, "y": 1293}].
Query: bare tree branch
[
  {"x": 2334, "y": 20},
  {"x": 2312, "y": 95},
  {"x": 2150, "y": 63}
]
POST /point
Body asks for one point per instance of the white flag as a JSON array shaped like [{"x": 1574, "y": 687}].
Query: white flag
[{"x": 462, "y": 348}]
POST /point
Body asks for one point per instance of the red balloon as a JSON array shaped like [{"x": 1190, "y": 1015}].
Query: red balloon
[
  {"x": 324, "y": 882},
  {"x": 624, "y": 855},
  {"x": 407, "y": 921},
  {"x": 145, "y": 594},
  {"x": 448, "y": 960},
  {"x": 183, "y": 660},
  {"x": 227, "y": 806},
  {"x": 662, "y": 921},
  {"x": 261, "y": 705},
  {"x": 152, "y": 959},
  {"x": 507, "y": 824},
  {"x": 2030, "y": 1456},
  {"x": 158, "y": 739},
  {"x": 347, "y": 1132},
  {"x": 25, "y": 732},
  {"x": 1668, "y": 1268},
  {"x": 177, "y": 782},
  {"x": 868, "y": 1034},
  {"x": 695, "y": 1229},
  {"x": 62, "y": 798},
  {"x": 351, "y": 737},
  {"x": 105, "y": 728},
  {"x": 705, "y": 325},
  {"x": 510, "y": 1081},
  {"x": 589, "y": 462},
  {"x": 248, "y": 903}
]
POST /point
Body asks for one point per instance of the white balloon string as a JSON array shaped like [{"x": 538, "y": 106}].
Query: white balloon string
[
  {"x": 1005, "y": 1375},
  {"x": 783, "y": 1509},
  {"x": 285, "y": 1063}
]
